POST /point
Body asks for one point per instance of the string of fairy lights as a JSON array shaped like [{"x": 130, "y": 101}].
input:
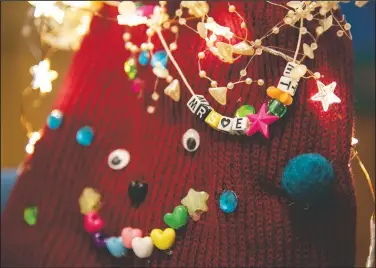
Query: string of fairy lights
[{"x": 61, "y": 25}]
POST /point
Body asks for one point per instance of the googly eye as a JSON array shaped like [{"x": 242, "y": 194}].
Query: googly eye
[
  {"x": 118, "y": 159},
  {"x": 191, "y": 140}
]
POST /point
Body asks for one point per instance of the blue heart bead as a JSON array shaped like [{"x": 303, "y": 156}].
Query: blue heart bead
[
  {"x": 115, "y": 247},
  {"x": 55, "y": 119},
  {"x": 159, "y": 56},
  {"x": 228, "y": 201},
  {"x": 143, "y": 59},
  {"x": 85, "y": 136}
]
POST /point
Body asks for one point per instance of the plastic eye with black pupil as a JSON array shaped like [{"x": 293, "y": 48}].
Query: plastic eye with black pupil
[
  {"x": 118, "y": 159},
  {"x": 191, "y": 140}
]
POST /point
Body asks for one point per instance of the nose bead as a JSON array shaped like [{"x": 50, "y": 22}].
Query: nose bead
[
  {"x": 228, "y": 201},
  {"x": 85, "y": 136},
  {"x": 99, "y": 240},
  {"x": 137, "y": 192},
  {"x": 55, "y": 119}
]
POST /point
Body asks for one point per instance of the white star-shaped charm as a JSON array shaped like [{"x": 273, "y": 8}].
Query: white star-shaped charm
[
  {"x": 42, "y": 76},
  {"x": 326, "y": 95}
]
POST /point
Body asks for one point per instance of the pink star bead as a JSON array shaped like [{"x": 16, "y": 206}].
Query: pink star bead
[{"x": 261, "y": 121}]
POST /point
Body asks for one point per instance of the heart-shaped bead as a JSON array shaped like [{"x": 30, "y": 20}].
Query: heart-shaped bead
[
  {"x": 93, "y": 222},
  {"x": 163, "y": 239},
  {"x": 178, "y": 218},
  {"x": 137, "y": 192},
  {"x": 115, "y": 247},
  {"x": 142, "y": 247},
  {"x": 128, "y": 234}
]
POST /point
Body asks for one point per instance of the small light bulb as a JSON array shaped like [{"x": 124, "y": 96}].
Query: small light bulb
[
  {"x": 231, "y": 8},
  {"x": 243, "y": 72},
  {"x": 319, "y": 30},
  {"x": 179, "y": 12},
  {"x": 260, "y": 82},
  {"x": 354, "y": 141},
  {"x": 303, "y": 30},
  {"x": 174, "y": 29},
  {"x": 243, "y": 25},
  {"x": 248, "y": 81},
  {"x": 150, "y": 32},
  {"x": 314, "y": 46},
  {"x": 258, "y": 51},
  {"x": 258, "y": 42},
  {"x": 201, "y": 55},
  {"x": 287, "y": 21},
  {"x": 275, "y": 30},
  {"x": 173, "y": 46},
  {"x": 214, "y": 84},
  {"x": 126, "y": 36},
  {"x": 317, "y": 75},
  {"x": 182, "y": 21},
  {"x": 213, "y": 38},
  {"x": 339, "y": 33},
  {"x": 230, "y": 85},
  {"x": 202, "y": 74},
  {"x": 347, "y": 26},
  {"x": 169, "y": 79}
]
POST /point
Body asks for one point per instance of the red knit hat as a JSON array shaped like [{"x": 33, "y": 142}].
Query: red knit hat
[{"x": 264, "y": 231}]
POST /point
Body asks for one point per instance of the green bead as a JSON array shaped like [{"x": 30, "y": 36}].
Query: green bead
[
  {"x": 244, "y": 110},
  {"x": 275, "y": 107},
  {"x": 30, "y": 215},
  {"x": 178, "y": 218},
  {"x": 130, "y": 68}
]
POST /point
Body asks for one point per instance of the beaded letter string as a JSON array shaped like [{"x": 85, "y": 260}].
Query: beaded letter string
[
  {"x": 193, "y": 204},
  {"x": 246, "y": 121}
]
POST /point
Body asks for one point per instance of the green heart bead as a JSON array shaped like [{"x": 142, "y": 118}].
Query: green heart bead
[
  {"x": 30, "y": 215},
  {"x": 178, "y": 218}
]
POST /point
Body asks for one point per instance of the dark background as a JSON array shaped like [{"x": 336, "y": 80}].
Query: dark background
[{"x": 16, "y": 61}]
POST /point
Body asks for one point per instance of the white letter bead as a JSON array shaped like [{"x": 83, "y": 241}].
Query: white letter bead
[
  {"x": 203, "y": 111},
  {"x": 225, "y": 124},
  {"x": 195, "y": 101},
  {"x": 288, "y": 85},
  {"x": 288, "y": 69},
  {"x": 239, "y": 125}
]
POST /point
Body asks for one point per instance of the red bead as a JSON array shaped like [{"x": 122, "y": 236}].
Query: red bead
[{"x": 93, "y": 223}]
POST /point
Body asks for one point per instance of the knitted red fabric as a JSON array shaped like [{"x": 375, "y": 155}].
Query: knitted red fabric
[{"x": 265, "y": 231}]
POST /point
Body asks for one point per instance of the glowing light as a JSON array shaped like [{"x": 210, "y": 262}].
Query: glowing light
[
  {"x": 47, "y": 9},
  {"x": 219, "y": 30},
  {"x": 43, "y": 76},
  {"x": 33, "y": 138},
  {"x": 354, "y": 141},
  {"x": 128, "y": 14},
  {"x": 78, "y": 4},
  {"x": 326, "y": 95}
]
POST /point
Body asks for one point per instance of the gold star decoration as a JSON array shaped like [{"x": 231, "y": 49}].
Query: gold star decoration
[
  {"x": 326, "y": 95},
  {"x": 195, "y": 201},
  {"x": 43, "y": 76}
]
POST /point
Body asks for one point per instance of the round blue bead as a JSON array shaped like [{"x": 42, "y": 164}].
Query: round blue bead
[
  {"x": 55, "y": 119},
  {"x": 228, "y": 201},
  {"x": 85, "y": 136},
  {"x": 159, "y": 56},
  {"x": 143, "y": 59}
]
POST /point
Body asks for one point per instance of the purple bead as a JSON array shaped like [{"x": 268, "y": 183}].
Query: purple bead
[{"x": 99, "y": 240}]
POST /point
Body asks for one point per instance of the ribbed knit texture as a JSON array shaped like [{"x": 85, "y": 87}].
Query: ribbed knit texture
[{"x": 264, "y": 231}]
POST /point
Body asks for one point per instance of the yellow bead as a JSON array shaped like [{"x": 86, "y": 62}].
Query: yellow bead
[
  {"x": 163, "y": 239},
  {"x": 213, "y": 119},
  {"x": 90, "y": 201}
]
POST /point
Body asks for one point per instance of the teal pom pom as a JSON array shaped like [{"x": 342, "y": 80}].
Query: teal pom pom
[{"x": 308, "y": 178}]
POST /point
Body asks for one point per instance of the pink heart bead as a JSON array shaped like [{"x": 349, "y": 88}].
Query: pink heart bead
[
  {"x": 93, "y": 223},
  {"x": 128, "y": 234}
]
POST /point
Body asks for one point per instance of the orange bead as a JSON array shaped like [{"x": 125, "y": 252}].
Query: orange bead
[
  {"x": 285, "y": 98},
  {"x": 273, "y": 92}
]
